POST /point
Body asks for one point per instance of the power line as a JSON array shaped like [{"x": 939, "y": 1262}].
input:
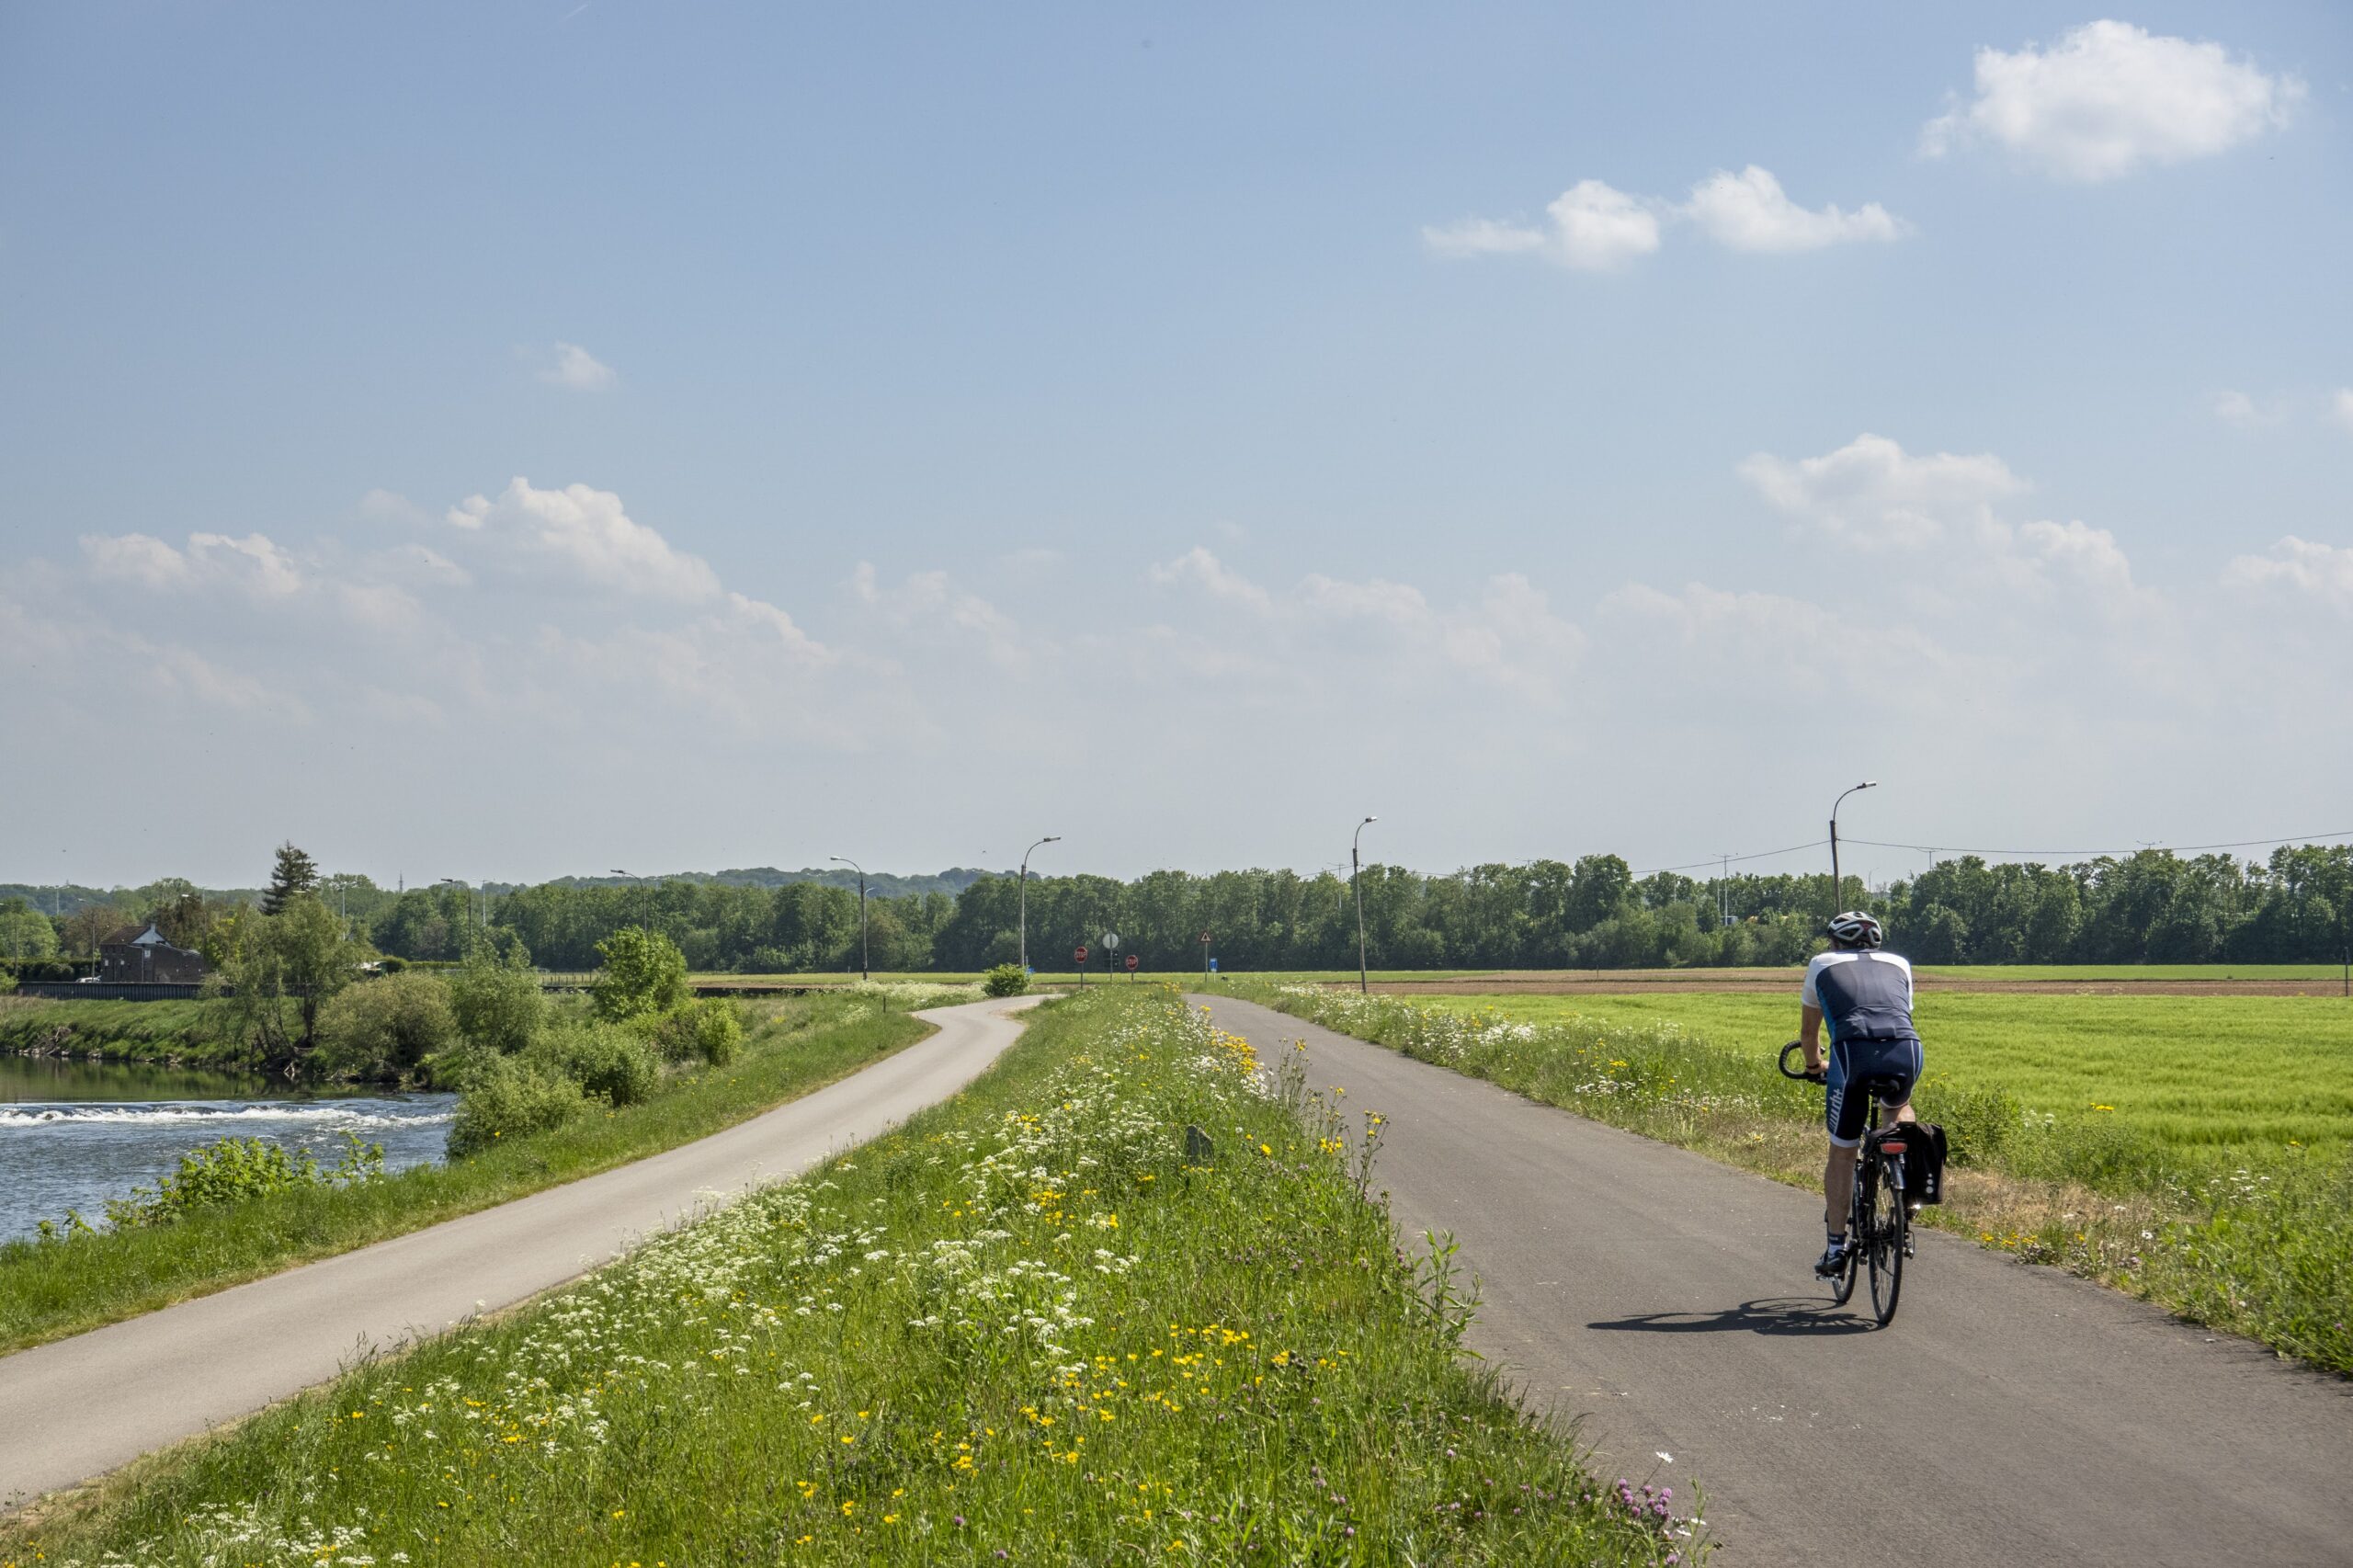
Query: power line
[
  {"x": 1730, "y": 860},
  {"x": 1954, "y": 849},
  {"x": 2236, "y": 844}
]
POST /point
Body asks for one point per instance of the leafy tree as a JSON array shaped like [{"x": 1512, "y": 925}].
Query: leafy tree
[
  {"x": 25, "y": 932},
  {"x": 295, "y": 873},
  {"x": 385, "y": 1028},
  {"x": 643, "y": 975},
  {"x": 498, "y": 1003},
  {"x": 282, "y": 969}
]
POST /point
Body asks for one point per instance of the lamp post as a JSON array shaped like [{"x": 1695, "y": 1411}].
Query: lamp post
[
  {"x": 454, "y": 882},
  {"x": 645, "y": 913},
  {"x": 1866, "y": 784},
  {"x": 861, "y": 911},
  {"x": 1050, "y": 838},
  {"x": 1356, "y": 881}
]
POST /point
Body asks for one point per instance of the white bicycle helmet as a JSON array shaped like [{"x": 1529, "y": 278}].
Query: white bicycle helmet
[{"x": 1856, "y": 928}]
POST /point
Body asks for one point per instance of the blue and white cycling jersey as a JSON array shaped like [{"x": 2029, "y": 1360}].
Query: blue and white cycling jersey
[
  {"x": 1865, "y": 998},
  {"x": 1862, "y": 994}
]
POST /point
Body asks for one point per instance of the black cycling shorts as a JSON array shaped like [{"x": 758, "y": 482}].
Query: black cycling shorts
[{"x": 1888, "y": 1068}]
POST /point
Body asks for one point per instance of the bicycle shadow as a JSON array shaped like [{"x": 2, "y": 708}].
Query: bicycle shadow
[{"x": 1789, "y": 1316}]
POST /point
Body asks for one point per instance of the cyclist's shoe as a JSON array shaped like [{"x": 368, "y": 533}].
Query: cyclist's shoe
[{"x": 1832, "y": 1260}]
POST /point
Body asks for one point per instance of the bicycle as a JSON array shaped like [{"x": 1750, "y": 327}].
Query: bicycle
[{"x": 1879, "y": 1220}]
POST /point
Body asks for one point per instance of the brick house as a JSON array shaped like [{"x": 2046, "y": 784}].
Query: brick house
[{"x": 145, "y": 958}]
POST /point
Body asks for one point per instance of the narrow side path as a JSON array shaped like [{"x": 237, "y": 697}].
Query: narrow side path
[
  {"x": 2010, "y": 1415},
  {"x": 79, "y": 1407}
]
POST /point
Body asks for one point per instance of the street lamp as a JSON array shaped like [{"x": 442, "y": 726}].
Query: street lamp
[
  {"x": 1050, "y": 838},
  {"x": 1835, "y": 895},
  {"x": 861, "y": 911},
  {"x": 454, "y": 882},
  {"x": 645, "y": 911},
  {"x": 1356, "y": 881}
]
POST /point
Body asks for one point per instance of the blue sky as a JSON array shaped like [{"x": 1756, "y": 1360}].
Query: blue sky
[{"x": 1185, "y": 430}]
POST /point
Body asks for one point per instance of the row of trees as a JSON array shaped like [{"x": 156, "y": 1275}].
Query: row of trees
[{"x": 2155, "y": 906}]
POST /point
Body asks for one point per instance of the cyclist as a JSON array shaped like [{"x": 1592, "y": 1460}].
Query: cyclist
[{"x": 1865, "y": 996}]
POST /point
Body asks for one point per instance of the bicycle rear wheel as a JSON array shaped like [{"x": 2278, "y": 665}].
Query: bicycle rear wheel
[{"x": 1889, "y": 1217}]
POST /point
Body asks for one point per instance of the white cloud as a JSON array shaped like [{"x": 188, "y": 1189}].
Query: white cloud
[
  {"x": 576, "y": 368},
  {"x": 1323, "y": 633},
  {"x": 1199, "y": 566},
  {"x": 1749, "y": 211},
  {"x": 2341, "y": 408},
  {"x": 1871, "y": 492},
  {"x": 587, "y": 531},
  {"x": 2047, "y": 558},
  {"x": 931, "y": 603},
  {"x": 2236, "y": 408},
  {"x": 254, "y": 563},
  {"x": 1594, "y": 228},
  {"x": 2320, "y": 572},
  {"x": 2108, "y": 98}
]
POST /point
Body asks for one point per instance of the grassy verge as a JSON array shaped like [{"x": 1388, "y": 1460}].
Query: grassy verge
[
  {"x": 2234, "y": 1221},
  {"x": 51, "y": 1289},
  {"x": 1023, "y": 1329},
  {"x": 186, "y": 1034}
]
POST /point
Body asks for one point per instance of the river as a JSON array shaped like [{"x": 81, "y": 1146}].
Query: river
[{"x": 74, "y": 1134}]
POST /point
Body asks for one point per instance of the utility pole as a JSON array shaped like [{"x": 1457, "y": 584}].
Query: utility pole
[
  {"x": 1050, "y": 838},
  {"x": 1356, "y": 881},
  {"x": 861, "y": 911},
  {"x": 1723, "y": 893}
]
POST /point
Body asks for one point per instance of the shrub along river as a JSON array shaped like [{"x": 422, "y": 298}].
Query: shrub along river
[{"x": 74, "y": 1134}]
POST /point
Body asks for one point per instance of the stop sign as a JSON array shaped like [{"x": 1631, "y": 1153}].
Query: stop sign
[
  {"x": 1079, "y": 957},
  {"x": 1133, "y": 960}
]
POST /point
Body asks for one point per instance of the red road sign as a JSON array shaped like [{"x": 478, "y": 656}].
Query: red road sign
[
  {"x": 1205, "y": 938},
  {"x": 1079, "y": 957},
  {"x": 1133, "y": 961}
]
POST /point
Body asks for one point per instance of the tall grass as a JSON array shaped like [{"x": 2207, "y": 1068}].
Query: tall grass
[
  {"x": 2262, "y": 1246},
  {"x": 49, "y": 1289},
  {"x": 1029, "y": 1327},
  {"x": 183, "y": 1033}
]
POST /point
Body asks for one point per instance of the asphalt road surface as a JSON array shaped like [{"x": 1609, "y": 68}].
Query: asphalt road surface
[
  {"x": 2010, "y": 1415},
  {"x": 79, "y": 1407}
]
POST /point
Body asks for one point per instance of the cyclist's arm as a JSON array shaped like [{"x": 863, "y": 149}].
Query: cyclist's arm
[{"x": 1810, "y": 1036}]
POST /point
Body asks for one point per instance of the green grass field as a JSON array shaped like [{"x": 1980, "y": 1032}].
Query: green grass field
[
  {"x": 1030, "y": 1326},
  {"x": 49, "y": 1289},
  {"x": 2235, "y": 1076}
]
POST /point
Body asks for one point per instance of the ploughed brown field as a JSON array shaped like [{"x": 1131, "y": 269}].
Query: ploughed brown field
[{"x": 1609, "y": 982}]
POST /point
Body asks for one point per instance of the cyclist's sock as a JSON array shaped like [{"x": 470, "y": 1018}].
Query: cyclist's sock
[{"x": 1837, "y": 1240}]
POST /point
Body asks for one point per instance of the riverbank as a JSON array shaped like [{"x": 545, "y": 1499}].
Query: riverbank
[
  {"x": 162, "y": 1034},
  {"x": 49, "y": 1291}
]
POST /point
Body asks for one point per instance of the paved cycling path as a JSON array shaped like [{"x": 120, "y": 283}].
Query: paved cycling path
[
  {"x": 2009, "y": 1415},
  {"x": 79, "y": 1407}
]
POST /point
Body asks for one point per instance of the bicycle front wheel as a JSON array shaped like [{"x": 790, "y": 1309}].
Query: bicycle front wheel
[{"x": 1889, "y": 1218}]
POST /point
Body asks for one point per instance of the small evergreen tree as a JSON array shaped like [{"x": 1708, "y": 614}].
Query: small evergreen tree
[{"x": 295, "y": 873}]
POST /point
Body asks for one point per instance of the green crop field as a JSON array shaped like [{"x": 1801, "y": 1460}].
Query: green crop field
[{"x": 2239, "y": 1075}]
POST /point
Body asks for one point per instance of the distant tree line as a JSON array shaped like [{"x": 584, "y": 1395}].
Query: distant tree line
[{"x": 2155, "y": 906}]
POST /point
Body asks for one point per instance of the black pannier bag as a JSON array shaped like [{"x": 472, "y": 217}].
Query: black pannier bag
[{"x": 1923, "y": 1159}]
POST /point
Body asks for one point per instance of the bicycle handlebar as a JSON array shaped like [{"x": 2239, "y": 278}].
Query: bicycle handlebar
[{"x": 1811, "y": 1077}]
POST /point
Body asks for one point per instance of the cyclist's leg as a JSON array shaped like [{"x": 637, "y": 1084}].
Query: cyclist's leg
[{"x": 1844, "y": 1114}]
